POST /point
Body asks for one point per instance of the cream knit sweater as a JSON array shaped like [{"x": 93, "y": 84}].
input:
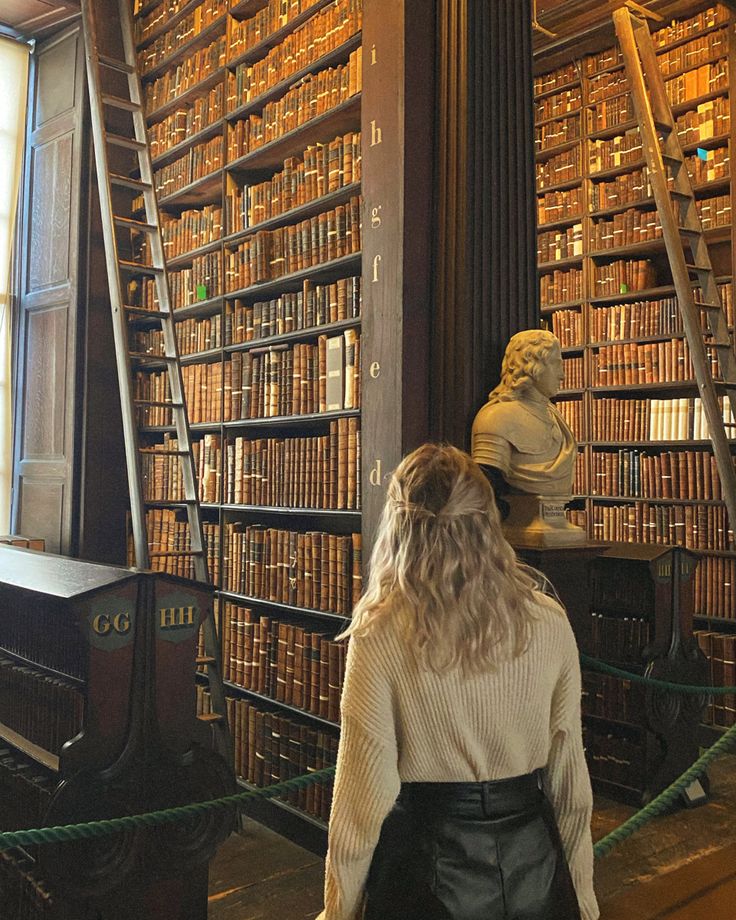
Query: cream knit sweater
[{"x": 401, "y": 723}]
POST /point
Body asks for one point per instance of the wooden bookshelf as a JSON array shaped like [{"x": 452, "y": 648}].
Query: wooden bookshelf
[{"x": 588, "y": 325}]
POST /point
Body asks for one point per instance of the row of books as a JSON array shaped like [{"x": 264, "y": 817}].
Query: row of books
[
  {"x": 625, "y": 189},
  {"x": 631, "y": 473},
  {"x": 313, "y": 95},
  {"x": 572, "y": 411},
  {"x": 169, "y": 543},
  {"x": 202, "y": 394},
  {"x": 562, "y": 167},
  {"x": 710, "y": 119},
  {"x": 560, "y": 244},
  {"x": 568, "y": 100},
  {"x": 615, "y": 755},
  {"x": 289, "y": 663},
  {"x": 303, "y": 472},
  {"x": 635, "y": 225},
  {"x": 567, "y": 325},
  {"x": 578, "y": 480},
  {"x": 186, "y": 121},
  {"x": 321, "y": 169},
  {"x": 560, "y": 286},
  {"x": 315, "y": 305},
  {"x": 715, "y": 578},
  {"x": 23, "y": 892},
  {"x": 619, "y": 639},
  {"x": 707, "y": 78},
  {"x": 622, "y": 276},
  {"x": 192, "y": 229},
  {"x": 612, "y": 698},
  {"x": 274, "y": 16},
  {"x": 719, "y": 649},
  {"x": 555, "y": 133},
  {"x": 652, "y": 362},
  {"x": 197, "y": 162},
  {"x": 331, "y": 27},
  {"x": 544, "y": 83},
  {"x": 269, "y": 254},
  {"x": 270, "y": 748},
  {"x": 145, "y": 26},
  {"x": 192, "y": 336},
  {"x": 609, "y": 113},
  {"x": 45, "y": 638},
  {"x": 189, "y": 72},
  {"x": 45, "y": 710},
  {"x": 167, "y": 44},
  {"x": 27, "y": 790},
  {"x": 612, "y": 83},
  {"x": 313, "y": 570},
  {"x": 573, "y": 369},
  {"x": 693, "y": 526},
  {"x": 714, "y": 211},
  {"x": 187, "y": 286},
  {"x": 161, "y": 470},
  {"x": 652, "y": 419},
  {"x": 554, "y": 206},
  {"x": 673, "y": 32},
  {"x": 294, "y": 380},
  {"x": 659, "y": 316}
]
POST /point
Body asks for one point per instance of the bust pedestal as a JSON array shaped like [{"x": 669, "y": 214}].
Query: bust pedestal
[{"x": 538, "y": 521}]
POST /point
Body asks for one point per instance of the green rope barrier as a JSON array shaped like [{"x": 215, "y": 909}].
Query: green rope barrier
[
  {"x": 92, "y": 829},
  {"x": 594, "y": 664},
  {"x": 664, "y": 800}
]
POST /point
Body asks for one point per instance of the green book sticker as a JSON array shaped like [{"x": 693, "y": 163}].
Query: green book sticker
[
  {"x": 624, "y": 289},
  {"x": 201, "y": 292}
]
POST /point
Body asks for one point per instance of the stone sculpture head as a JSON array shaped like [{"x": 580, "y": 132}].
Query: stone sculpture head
[{"x": 532, "y": 360}]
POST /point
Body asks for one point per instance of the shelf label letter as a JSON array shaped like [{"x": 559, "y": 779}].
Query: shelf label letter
[
  {"x": 375, "y": 370},
  {"x": 376, "y": 221},
  {"x": 374, "y": 60},
  {"x": 376, "y": 134},
  {"x": 376, "y": 262},
  {"x": 376, "y": 475}
]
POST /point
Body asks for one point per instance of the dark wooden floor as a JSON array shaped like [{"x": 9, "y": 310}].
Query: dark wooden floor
[{"x": 679, "y": 867}]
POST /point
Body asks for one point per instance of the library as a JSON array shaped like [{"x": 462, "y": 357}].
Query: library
[{"x": 343, "y": 343}]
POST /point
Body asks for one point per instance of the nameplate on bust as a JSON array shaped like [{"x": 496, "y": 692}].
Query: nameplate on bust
[{"x": 552, "y": 511}]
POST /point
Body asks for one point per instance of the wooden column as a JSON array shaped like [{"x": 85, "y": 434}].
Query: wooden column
[
  {"x": 485, "y": 277},
  {"x": 397, "y": 147}
]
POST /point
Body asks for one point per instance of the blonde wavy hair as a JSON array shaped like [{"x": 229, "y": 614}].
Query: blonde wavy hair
[
  {"x": 525, "y": 355},
  {"x": 440, "y": 557}
]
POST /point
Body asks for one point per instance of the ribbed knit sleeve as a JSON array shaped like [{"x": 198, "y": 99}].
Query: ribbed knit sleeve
[
  {"x": 567, "y": 780},
  {"x": 366, "y": 782}
]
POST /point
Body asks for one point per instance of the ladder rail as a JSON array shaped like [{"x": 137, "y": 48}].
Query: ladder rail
[{"x": 640, "y": 60}]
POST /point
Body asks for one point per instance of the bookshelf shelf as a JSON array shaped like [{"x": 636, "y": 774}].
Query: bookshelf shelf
[
  {"x": 618, "y": 499},
  {"x": 286, "y": 608},
  {"x": 285, "y": 421},
  {"x": 146, "y": 8},
  {"x": 340, "y": 119},
  {"x": 667, "y": 386},
  {"x": 560, "y": 263},
  {"x": 565, "y": 305},
  {"x": 563, "y": 87},
  {"x": 338, "y": 55},
  {"x": 547, "y": 152},
  {"x": 173, "y": 153},
  {"x": 559, "y": 224},
  {"x": 247, "y": 8},
  {"x": 185, "y": 97},
  {"x": 287, "y": 707},
  {"x": 203, "y": 38},
  {"x": 560, "y": 186},
  {"x": 45, "y": 758},
  {"x": 605, "y": 720},
  {"x": 68, "y": 678},
  {"x": 202, "y": 191},
  {"x": 712, "y": 234},
  {"x": 335, "y": 513},
  {"x": 651, "y": 445},
  {"x": 298, "y": 335},
  {"x": 186, "y": 258},
  {"x": 332, "y": 270},
  {"x": 569, "y": 113},
  {"x": 308, "y": 209}
]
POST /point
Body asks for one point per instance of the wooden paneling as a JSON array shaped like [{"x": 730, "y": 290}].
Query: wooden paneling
[
  {"x": 485, "y": 283},
  {"x": 36, "y": 18},
  {"x": 397, "y": 225},
  {"x": 46, "y": 380}
]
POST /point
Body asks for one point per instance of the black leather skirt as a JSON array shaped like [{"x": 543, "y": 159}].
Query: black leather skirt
[{"x": 471, "y": 851}]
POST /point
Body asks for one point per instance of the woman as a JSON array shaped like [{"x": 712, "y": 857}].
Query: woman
[{"x": 461, "y": 740}]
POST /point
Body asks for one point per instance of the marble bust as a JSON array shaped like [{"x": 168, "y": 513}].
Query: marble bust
[{"x": 526, "y": 446}]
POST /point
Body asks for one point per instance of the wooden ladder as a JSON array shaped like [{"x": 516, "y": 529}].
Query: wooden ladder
[
  {"x": 682, "y": 230},
  {"x": 116, "y": 97}
]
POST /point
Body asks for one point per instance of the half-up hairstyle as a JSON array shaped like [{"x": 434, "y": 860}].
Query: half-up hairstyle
[{"x": 441, "y": 559}]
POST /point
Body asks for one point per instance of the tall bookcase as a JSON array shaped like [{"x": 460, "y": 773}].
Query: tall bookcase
[
  {"x": 646, "y": 470},
  {"x": 280, "y": 169}
]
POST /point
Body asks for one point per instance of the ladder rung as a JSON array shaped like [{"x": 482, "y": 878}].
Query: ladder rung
[
  {"x": 117, "y": 140},
  {"x": 663, "y": 127},
  {"x": 131, "y": 224},
  {"x": 706, "y": 306},
  {"x": 139, "y": 267},
  {"x": 144, "y": 356},
  {"x": 127, "y": 182},
  {"x": 210, "y": 717},
  {"x": 117, "y": 102},
  {"x": 690, "y": 231},
  {"x": 158, "y": 403},
  {"x": 672, "y": 158},
  {"x": 698, "y": 268},
  {"x": 142, "y": 311},
  {"x": 204, "y": 659},
  {"x": 685, "y": 196},
  {"x": 114, "y": 64},
  {"x": 176, "y": 552}
]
